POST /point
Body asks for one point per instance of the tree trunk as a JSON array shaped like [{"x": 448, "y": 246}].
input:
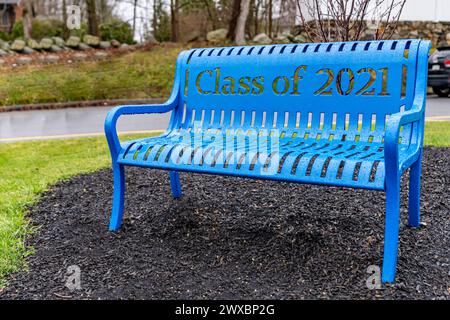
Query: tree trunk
[
  {"x": 104, "y": 10},
  {"x": 241, "y": 22},
  {"x": 66, "y": 31},
  {"x": 175, "y": 22},
  {"x": 27, "y": 26},
  {"x": 134, "y": 15},
  {"x": 233, "y": 20},
  {"x": 269, "y": 16},
  {"x": 212, "y": 14},
  {"x": 92, "y": 18},
  {"x": 155, "y": 19}
]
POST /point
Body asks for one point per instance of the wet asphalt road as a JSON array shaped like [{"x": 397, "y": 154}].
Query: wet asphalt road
[{"x": 65, "y": 123}]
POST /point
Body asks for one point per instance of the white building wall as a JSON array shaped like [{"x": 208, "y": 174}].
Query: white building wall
[
  {"x": 426, "y": 10},
  {"x": 419, "y": 10}
]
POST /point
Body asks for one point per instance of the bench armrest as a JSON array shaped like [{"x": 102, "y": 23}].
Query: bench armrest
[
  {"x": 115, "y": 113},
  {"x": 391, "y": 139}
]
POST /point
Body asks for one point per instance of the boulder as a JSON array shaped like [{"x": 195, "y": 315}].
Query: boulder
[
  {"x": 79, "y": 56},
  {"x": 105, "y": 45},
  {"x": 3, "y": 53},
  {"x": 28, "y": 50},
  {"x": 4, "y": 45},
  {"x": 414, "y": 34},
  {"x": 83, "y": 46},
  {"x": 73, "y": 42},
  {"x": 59, "y": 41},
  {"x": 46, "y": 43},
  {"x": 447, "y": 37},
  {"x": 124, "y": 47},
  {"x": 262, "y": 38},
  {"x": 282, "y": 39},
  {"x": 101, "y": 55},
  {"x": 33, "y": 44},
  {"x": 92, "y": 41},
  {"x": 115, "y": 43},
  {"x": 18, "y": 45},
  {"x": 55, "y": 48},
  {"x": 299, "y": 39},
  {"x": 24, "y": 60},
  {"x": 217, "y": 35},
  {"x": 150, "y": 39},
  {"x": 51, "y": 58}
]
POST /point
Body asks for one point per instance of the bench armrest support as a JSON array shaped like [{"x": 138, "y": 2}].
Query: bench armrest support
[
  {"x": 391, "y": 140},
  {"x": 115, "y": 113}
]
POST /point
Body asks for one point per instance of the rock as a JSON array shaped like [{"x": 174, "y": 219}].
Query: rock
[
  {"x": 46, "y": 43},
  {"x": 101, "y": 55},
  {"x": 28, "y": 50},
  {"x": 217, "y": 35},
  {"x": 115, "y": 43},
  {"x": 3, "y": 53},
  {"x": 55, "y": 48},
  {"x": 2, "y": 62},
  {"x": 150, "y": 39},
  {"x": 79, "y": 56},
  {"x": 33, "y": 44},
  {"x": 124, "y": 47},
  {"x": 299, "y": 39},
  {"x": 73, "y": 42},
  {"x": 282, "y": 39},
  {"x": 92, "y": 41},
  {"x": 24, "y": 60},
  {"x": 59, "y": 41},
  {"x": 262, "y": 38},
  {"x": 105, "y": 45},
  {"x": 51, "y": 58},
  {"x": 5, "y": 45},
  {"x": 447, "y": 37},
  {"x": 414, "y": 34},
  {"x": 194, "y": 35},
  {"x": 83, "y": 46},
  {"x": 18, "y": 45}
]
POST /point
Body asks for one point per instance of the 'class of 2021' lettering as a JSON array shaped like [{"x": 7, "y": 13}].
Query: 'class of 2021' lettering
[{"x": 283, "y": 85}]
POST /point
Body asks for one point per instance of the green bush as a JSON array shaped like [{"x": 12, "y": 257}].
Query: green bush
[
  {"x": 117, "y": 29},
  {"x": 17, "y": 30},
  {"x": 80, "y": 32},
  {"x": 46, "y": 28}
]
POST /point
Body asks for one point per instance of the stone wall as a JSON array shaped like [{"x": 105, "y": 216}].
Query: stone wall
[{"x": 437, "y": 32}]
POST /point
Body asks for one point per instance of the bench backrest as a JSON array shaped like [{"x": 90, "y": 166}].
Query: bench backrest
[{"x": 334, "y": 90}]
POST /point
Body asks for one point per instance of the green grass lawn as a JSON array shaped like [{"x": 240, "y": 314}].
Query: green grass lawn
[
  {"x": 26, "y": 170},
  {"x": 29, "y": 168},
  {"x": 136, "y": 75}
]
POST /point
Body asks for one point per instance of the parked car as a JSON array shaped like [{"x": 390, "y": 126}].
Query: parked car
[{"x": 439, "y": 71}]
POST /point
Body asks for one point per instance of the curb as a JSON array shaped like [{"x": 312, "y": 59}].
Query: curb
[{"x": 79, "y": 104}]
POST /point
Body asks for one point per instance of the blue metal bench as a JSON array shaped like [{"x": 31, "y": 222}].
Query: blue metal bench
[{"x": 338, "y": 114}]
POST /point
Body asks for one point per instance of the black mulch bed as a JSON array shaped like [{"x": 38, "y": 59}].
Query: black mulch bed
[{"x": 233, "y": 238}]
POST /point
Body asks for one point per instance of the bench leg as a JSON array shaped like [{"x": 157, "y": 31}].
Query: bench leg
[
  {"x": 414, "y": 193},
  {"x": 175, "y": 184},
  {"x": 391, "y": 231},
  {"x": 118, "y": 197}
]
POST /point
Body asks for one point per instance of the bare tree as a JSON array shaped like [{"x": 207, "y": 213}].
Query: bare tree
[
  {"x": 92, "y": 17},
  {"x": 66, "y": 31},
  {"x": 27, "y": 16},
  {"x": 235, "y": 11},
  {"x": 175, "y": 20},
  {"x": 241, "y": 22},
  {"x": 346, "y": 20}
]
